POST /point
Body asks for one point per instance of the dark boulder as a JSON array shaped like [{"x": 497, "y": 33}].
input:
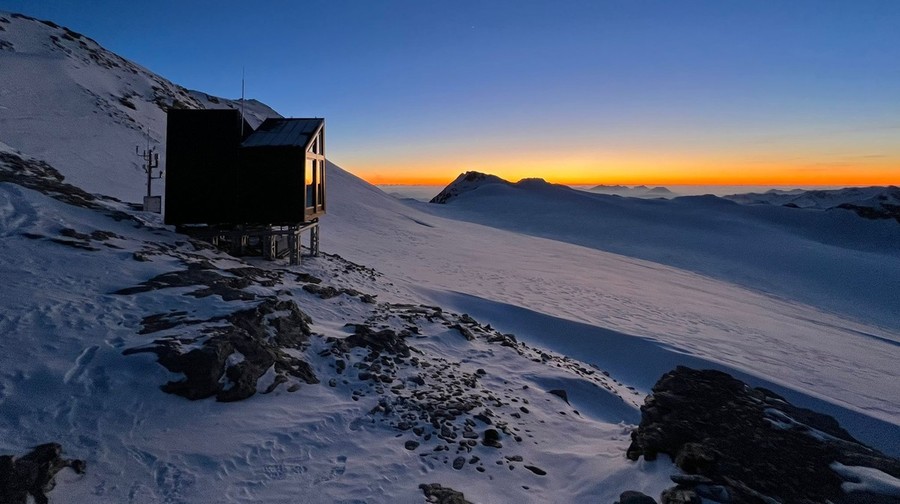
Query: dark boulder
[
  {"x": 747, "y": 445},
  {"x": 33, "y": 474}
]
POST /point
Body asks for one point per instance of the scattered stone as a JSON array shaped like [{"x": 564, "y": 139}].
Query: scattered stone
[
  {"x": 483, "y": 418},
  {"x": 536, "y": 470},
  {"x": 491, "y": 438},
  {"x": 560, "y": 393},
  {"x": 459, "y": 462},
  {"x": 465, "y": 331},
  {"x": 411, "y": 445},
  {"x": 307, "y": 278},
  {"x": 324, "y": 292}
]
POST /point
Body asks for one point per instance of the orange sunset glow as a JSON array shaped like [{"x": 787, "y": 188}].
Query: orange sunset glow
[{"x": 876, "y": 171}]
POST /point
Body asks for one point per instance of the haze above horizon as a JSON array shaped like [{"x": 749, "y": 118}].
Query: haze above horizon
[{"x": 648, "y": 92}]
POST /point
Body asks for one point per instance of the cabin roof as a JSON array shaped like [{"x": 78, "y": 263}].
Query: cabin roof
[{"x": 284, "y": 132}]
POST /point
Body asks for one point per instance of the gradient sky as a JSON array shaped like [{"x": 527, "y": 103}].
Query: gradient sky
[{"x": 629, "y": 91}]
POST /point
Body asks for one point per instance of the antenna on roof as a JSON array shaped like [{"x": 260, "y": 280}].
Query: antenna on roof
[{"x": 242, "y": 102}]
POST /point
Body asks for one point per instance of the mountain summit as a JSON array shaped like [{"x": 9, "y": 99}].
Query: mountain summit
[
  {"x": 465, "y": 182},
  {"x": 472, "y": 180}
]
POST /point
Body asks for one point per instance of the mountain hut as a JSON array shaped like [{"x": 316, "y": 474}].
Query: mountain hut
[{"x": 254, "y": 189}]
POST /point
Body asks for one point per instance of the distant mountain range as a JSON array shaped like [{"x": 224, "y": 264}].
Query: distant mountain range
[
  {"x": 877, "y": 202},
  {"x": 640, "y": 191}
]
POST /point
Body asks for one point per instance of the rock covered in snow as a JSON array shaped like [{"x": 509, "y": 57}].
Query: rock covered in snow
[
  {"x": 748, "y": 445},
  {"x": 33, "y": 474}
]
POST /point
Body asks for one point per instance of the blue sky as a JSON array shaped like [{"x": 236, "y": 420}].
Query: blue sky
[{"x": 596, "y": 90}]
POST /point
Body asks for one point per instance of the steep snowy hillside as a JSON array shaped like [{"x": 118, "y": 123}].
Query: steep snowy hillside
[
  {"x": 831, "y": 259},
  {"x": 66, "y": 100}
]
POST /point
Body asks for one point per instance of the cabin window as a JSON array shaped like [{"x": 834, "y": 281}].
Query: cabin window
[
  {"x": 320, "y": 184},
  {"x": 310, "y": 188}
]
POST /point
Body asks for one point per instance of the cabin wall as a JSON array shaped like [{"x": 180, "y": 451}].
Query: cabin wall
[{"x": 202, "y": 166}]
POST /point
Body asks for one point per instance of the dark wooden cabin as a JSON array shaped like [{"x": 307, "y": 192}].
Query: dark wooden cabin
[{"x": 221, "y": 172}]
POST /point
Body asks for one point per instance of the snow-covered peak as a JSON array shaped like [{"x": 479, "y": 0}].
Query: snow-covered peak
[
  {"x": 465, "y": 182},
  {"x": 102, "y": 106},
  {"x": 472, "y": 180}
]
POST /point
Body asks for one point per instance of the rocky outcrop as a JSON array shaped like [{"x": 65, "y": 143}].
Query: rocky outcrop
[
  {"x": 748, "y": 445},
  {"x": 33, "y": 474},
  {"x": 40, "y": 176},
  {"x": 235, "y": 354},
  {"x": 210, "y": 281}
]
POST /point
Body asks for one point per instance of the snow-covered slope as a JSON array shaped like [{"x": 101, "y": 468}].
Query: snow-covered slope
[
  {"x": 66, "y": 100},
  {"x": 831, "y": 259},
  {"x": 607, "y": 308}
]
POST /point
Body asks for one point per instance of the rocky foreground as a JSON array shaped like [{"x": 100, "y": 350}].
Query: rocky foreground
[{"x": 738, "y": 444}]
